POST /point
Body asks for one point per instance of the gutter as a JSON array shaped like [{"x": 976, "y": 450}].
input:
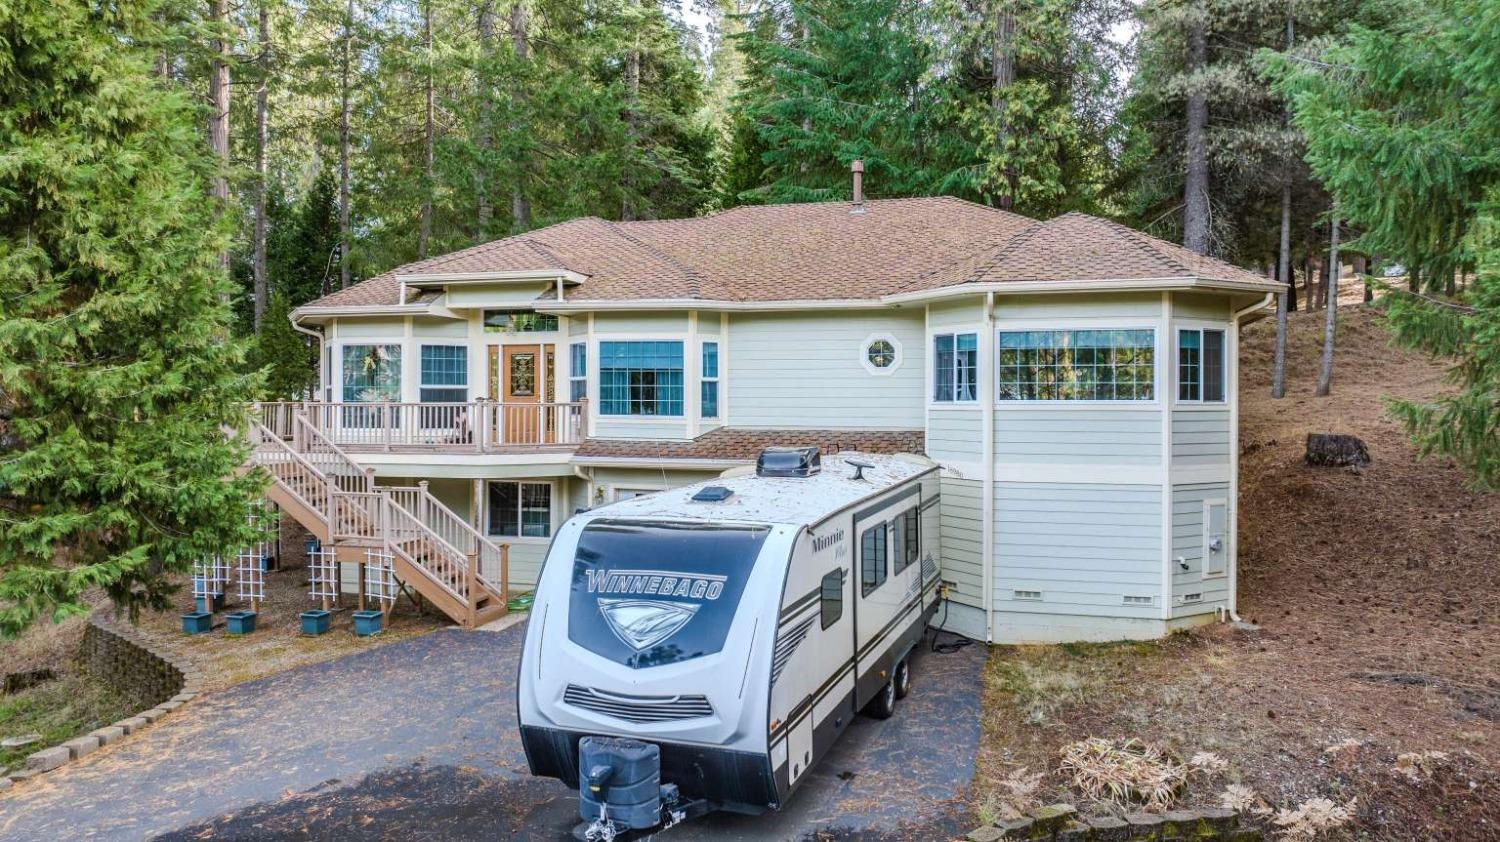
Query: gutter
[
  {"x": 1234, "y": 456},
  {"x": 321, "y": 342},
  {"x": 1184, "y": 283},
  {"x": 687, "y": 463}
]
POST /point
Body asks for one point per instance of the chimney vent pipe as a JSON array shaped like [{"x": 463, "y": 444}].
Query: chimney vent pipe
[{"x": 857, "y": 169}]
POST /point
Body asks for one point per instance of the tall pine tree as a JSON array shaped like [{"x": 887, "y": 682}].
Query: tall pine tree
[{"x": 117, "y": 375}]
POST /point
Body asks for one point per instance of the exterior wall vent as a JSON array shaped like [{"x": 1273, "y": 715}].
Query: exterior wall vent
[
  {"x": 1192, "y": 597},
  {"x": 1140, "y": 600},
  {"x": 1031, "y": 596},
  {"x": 788, "y": 462},
  {"x": 713, "y": 494}
]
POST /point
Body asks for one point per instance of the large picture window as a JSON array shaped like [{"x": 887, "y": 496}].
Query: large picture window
[
  {"x": 518, "y": 321},
  {"x": 955, "y": 367},
  {"x": 372, "y": 373},
  {"x": 1200, "y": 365},
  {"x": 521, "y": 509},
  {"x": 640, "y": 378},
  {"x": 445, "y": 374},
  {"x": 1077, "y": 365}
]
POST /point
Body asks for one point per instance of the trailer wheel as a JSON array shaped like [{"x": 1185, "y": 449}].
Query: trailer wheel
[
  {"x": 884, "y": 703},
  {"x": 902, "y": 678}
]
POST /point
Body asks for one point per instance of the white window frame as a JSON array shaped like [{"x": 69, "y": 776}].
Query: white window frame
[
  {"x": 575, "y": 377},
  {"x": 422, "y": 384},
  {"x": 1179, "y": 328},
  {"x": 864, "y": 354},
  {"x": 552, "y": 499},
  {"x": 1159, "y": 372},
  {"x": 360, "y": 341},
  {"x": 932, "y": 339},
  {"x": 704, "y": 378}
]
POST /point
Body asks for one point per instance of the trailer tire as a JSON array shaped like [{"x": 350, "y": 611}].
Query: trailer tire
[
  {"x": 902, "y": 678},
  {"x": 884, "y": 703}
]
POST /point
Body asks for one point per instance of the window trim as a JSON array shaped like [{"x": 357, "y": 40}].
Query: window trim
[
  {"x": 933, "y": 338},
  {"x": 421, "y": 381},
  {"x": 576, "y": 377},
  {"x": 1158, "y": 371},
  {"x": 864, "y": 354},
  {"x": 1200, "y": 328},
  {"x": 596, "y": 376},
  {"x": 551, "y": 511},
  {"x": 704, "y": 379},
  {"x": 337, "y": 387},
  {"x": 484, "y": 328}
]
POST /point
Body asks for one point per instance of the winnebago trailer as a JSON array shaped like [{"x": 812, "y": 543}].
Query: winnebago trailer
[{"x": 701, "y": 648}]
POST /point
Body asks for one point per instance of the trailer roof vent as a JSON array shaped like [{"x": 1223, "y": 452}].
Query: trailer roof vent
[
  {"x": 713, "y": 494},
  {"x": 788, "y": 462}
]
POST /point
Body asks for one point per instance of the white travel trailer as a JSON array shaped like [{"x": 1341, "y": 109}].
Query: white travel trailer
[{"x": 700, "y": 648}]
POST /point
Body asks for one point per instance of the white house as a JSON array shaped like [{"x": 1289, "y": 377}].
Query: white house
[{"x": 1075, "y": 379}]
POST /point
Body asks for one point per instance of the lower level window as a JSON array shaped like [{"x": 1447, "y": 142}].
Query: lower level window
[
  {"x": 1077, "y": 365},
  {"x": 521, "y": 509}
]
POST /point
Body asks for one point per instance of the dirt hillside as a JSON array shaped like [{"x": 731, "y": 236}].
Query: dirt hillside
[{"x": 1378, "y": 592}]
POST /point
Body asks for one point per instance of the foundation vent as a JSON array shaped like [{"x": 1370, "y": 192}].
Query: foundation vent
[
  {"x": 1140, "y": 600},
  {"x": 1033, "y": 596}
]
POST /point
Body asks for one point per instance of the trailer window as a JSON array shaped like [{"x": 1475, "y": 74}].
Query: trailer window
[
  {"x": 872, "y": 559},
  {"x": 831, "y": 597},
  {"x": 907, "y": 538}
]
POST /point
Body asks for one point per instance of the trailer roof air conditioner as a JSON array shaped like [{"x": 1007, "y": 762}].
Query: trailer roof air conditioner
[{"x": 788, "y": 462}]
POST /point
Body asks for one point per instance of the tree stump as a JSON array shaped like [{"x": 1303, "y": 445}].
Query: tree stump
[{"x": 1336, "y": 451}]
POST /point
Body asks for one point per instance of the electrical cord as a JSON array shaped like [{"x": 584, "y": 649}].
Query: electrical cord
[{"x": 958, "y": 642}]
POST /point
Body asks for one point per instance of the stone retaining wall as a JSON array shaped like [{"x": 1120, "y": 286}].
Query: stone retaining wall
[
  {"x": 123, "y": 659},
  {"x": 1061, "y": 823}
]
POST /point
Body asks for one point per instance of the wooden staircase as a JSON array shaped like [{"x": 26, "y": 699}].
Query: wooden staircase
[{"x": 433, "y": 550}]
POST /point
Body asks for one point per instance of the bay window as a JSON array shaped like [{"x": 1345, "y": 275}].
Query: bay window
[
  {"x": 641, "y": 379},
  {"x": 955, "y": 374},
  {"x": 1200, "y": 365},
  {"x": 1077, "y": 365}
]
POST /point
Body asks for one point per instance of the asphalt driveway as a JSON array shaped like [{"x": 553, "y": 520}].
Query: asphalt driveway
[{"x": 418, "y": 738}]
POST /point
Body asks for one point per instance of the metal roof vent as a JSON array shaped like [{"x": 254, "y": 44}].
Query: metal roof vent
[
  {"x": 713, "y": 494},
  {"x": 788, "y": 462}
]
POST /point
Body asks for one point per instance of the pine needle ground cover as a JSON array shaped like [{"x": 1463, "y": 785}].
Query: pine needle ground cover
[{"x": 1379, "y": 596}]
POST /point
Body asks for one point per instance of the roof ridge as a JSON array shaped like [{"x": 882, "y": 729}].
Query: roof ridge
[
  {"x": 999, "y": 249},
  {"x": 1139, "y": 240}
]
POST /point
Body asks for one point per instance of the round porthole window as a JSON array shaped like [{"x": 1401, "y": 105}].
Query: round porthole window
[{"x": 882, "y": 354}]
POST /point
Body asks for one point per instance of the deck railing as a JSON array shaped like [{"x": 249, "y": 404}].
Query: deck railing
[
  {"x": 493, "y": 560},
  {"x": 473, "y": 426}
]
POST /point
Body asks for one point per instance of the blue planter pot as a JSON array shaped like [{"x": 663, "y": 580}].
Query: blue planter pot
[
  {"x": 240, "y": 622},
  {"x": 197, "y": 622},
  {"x": 315, "y": 621},
  {"x": 367, "y": 623}
]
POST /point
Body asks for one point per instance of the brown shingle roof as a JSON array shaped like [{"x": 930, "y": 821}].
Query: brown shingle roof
[
  {"x": 741, "y": 445},
  {"x": 816, "y": 252}
]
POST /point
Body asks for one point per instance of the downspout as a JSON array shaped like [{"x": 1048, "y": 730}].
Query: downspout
[
  {"x": 987, "y": 488},
  {"x": 1234, "y": 456},
  {"x": 318, "y": 335}
]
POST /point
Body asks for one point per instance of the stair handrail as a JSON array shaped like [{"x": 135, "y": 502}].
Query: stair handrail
[
  {"x": 311, "y": 441},
  {"x": 458, "y": 532},
  {"x": 409, "y": 522},
  {"x": 266, "y": 442}
]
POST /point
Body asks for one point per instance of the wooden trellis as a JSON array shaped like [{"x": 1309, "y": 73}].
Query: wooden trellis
[
  {"x": 380, "y": 579},
  {"x": 323, "y": 574}
]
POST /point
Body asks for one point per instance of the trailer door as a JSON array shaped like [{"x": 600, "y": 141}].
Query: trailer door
[{"x": 886, "y": 587}]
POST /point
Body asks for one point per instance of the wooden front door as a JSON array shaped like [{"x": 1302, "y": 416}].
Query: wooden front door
[{"x": 518, "y": 379}]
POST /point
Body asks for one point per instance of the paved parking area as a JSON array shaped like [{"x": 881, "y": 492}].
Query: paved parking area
[{"x": 418, "y": 738}]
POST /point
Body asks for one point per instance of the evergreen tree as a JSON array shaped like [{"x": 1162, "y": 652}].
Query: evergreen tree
[
  {"x": 289, "y": 363},
  {"x": 1402, "y": 124},
  {"x": 117, "y": 377}
]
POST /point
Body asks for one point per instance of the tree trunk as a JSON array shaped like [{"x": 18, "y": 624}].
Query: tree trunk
[
  {"x": 218, "y": 120},
  {"x": 1331, "y": 303},
  {"x": 1195, "y": 214},
  {"x": 344, "y": 110},
  {"x": 1003, "y": 71},
  {"x": 1284, "y": 299},
  {"x": 520, "y": 205},
  {"x": 1309, "y": 281},
  {"x": 1414, "y": 279},
  {"x": 1361, "y": 271},
  {"x": 424, "y": 228},
  {"x": 1450, "y": 286},
  {"x": 632, "y": 94},
  {"x": 262, "y": 169},
  {"x": 485, "y": 138}
]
